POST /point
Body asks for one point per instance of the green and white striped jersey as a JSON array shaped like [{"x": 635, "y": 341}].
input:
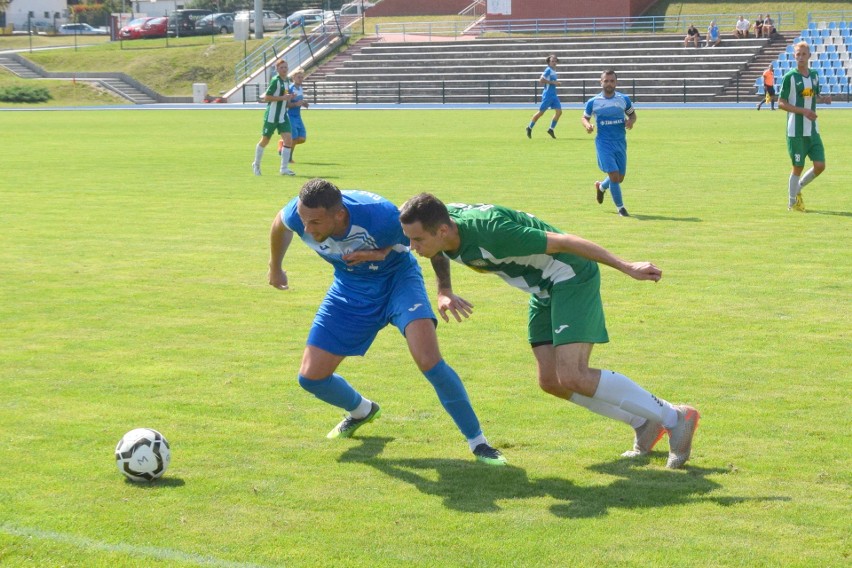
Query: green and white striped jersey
[
  {"x": 276, "y": 111},
  {"x": 511, "y": 244},
  {"x": 802, "y": 92}
]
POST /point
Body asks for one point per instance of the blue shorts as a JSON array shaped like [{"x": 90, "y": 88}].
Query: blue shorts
[
  {"x": 612, "y": 156},
  {"x": 297, "y": 127},
  {"x": 548, "y": 103},
  {"x": 347, "y": 322}
]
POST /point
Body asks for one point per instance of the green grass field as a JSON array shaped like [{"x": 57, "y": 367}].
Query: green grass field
[{"x": 134, "y": 253}]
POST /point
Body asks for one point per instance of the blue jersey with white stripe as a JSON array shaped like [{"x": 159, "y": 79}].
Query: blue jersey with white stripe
[
  {"x": 373, "y": 224},
  {"x": 299, "y": 95},
  {"x": 549, "y": 74},
  {"x": 610, "y": 115}
]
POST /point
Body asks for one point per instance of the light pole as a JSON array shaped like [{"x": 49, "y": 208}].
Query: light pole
[{"x": 30, "y": 28}]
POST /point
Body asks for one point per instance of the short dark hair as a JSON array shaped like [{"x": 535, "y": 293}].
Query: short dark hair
[
  {"x": 318, "y": 193},
  {"x": 427, "y": 209},
  {"x": 609, "y": 72},
  {"x": 549, "y": 57}
]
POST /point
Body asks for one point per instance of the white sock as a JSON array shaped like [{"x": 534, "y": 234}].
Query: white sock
[
  {"x": 473, "y": 442},
  {"x": 258, "y": 154},
  {"x": 606, "y": 409},
  {"x": 620, "y": 391},
  {"x": 363, "y": 409},
  {"x": 807, "y": 178},
  {"x": 285, "y": 158},
  {"x": 793, "y": 188}
]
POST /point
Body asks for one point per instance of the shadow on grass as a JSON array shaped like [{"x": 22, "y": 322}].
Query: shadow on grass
[
  {"x": 465, "y": 485},
  {"x": 838, "y": 213},
  {"x": 163, "y": 482},
  {"x": 664, "y": 218}
]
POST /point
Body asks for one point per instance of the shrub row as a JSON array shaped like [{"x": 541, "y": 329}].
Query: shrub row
[{"x": 24, "y": 94}]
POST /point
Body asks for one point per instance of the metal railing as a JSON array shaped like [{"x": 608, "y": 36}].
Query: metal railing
[
  {"x": 830, "y": 16},
  {"x": 568, "y": 26}
]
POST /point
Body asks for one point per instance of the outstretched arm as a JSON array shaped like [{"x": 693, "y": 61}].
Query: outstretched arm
[
  {"x": 447, "y": 300},
  {"x": 279, "y": 241},
  {"x": 557, "y": 242}
]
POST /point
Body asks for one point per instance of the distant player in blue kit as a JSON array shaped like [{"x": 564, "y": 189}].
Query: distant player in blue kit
[
  {"x": 549, "y": 98},
  {"x": 377, "y": 282},
  {"x": 614, "y": 113},
  {"x": 294, "y": 112}
]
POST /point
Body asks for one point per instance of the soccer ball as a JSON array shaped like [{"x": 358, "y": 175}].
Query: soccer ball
[{"x": 142, "y": 454}]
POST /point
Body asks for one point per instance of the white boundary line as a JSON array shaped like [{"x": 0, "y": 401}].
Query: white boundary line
[{"x": 121, "y": 548}]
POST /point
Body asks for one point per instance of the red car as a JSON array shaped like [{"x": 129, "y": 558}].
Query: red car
[
  {"x": 133, "y": 29},
  {"x": 156, "y": 27}
]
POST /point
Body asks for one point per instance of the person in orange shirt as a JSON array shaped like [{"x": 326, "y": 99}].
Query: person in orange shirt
[{"x": 768, "y": 88}]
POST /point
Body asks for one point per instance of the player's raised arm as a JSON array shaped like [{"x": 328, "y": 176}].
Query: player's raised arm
[
  {"x": 557, "y": 242},
  {"x": 447, "y": 300},
  {"x": 279, "y": 241}
]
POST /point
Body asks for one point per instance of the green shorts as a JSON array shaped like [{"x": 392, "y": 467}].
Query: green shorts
[
  {"x": 269, "y": 128},
  {"x": 800, "y": 147},
  {"x": 572, "y": 314}
]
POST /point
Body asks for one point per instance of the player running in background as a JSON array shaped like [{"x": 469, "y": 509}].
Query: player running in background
[
  {"x": 294, "y": 112},
  {"x": 549, "y": 98},
  {"x": 377, "y": 281},
  {"x": 799, "y": 93},
  {"x": 275, "y": 118},
  {"x": 566, "y": 316},
  {"x": 614, "y": 113},
  {"x": 768, "y": 87}
]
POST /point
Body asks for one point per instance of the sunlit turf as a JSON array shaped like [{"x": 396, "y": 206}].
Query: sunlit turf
[{"x": 134, "y": 253}]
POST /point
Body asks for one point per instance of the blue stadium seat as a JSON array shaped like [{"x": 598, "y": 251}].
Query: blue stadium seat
[
  {"x": 832, "y": 25},
  {"x": 788, "y": 50},
  {"x": 822, "y": 57},
  {"x": 760, "y": 90},
  {"x": 830, "y": 48},
  {"x": 812, "y": 25},
  {"x": 833, "y": 56},
  {"x": 824, "y": 33},
  {"x": 842, "y": 25}
]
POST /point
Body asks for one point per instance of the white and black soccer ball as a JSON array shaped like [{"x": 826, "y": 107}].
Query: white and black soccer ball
[{"x": 142, "y": 454}]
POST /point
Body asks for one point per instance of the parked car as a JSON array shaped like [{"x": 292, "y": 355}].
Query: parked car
[
  {"x": 222, "y": 23},
  {"x": 305, "y": 17},
  {"x": 271, "y": 21},
  {"x": 81, "y": 29},
  {"x": 133, "y": 29},
  {"x": 182, "y": 22},
  {"x": 156, "y": 27}
]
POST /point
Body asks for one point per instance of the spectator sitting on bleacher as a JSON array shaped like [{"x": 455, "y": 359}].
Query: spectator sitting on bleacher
[
  {"x": 768, "y": 27},
  {"x": 713, "y": 38},
  {"x": 758, "y": 26},
  {"x": 692, "y": 36},
  {"x": 741, "y": 28}
]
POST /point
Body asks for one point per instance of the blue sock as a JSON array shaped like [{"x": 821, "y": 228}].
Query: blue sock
[
  {"x": 453, "y": 397},
  {"x": 531, "y": 124},
  {"x": 552, "y": 124},
  {"x": 605, "y": 183},
  {"x": 615, "y": 192},
  {"x": 334, "y": 390}
]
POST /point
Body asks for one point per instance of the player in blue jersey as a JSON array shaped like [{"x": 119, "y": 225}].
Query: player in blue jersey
[
  {"x": 613, "y": 113},
  {"x": 549, "y": 98},
  {"x": 294, "y": 112},
  {"x": 377, "y": 281}
]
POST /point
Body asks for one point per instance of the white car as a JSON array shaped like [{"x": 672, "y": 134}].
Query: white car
[
  {"x": 271, "y": 21},
  {"x": 80, "y": 29},
  {"x": 306, "y": 17}
]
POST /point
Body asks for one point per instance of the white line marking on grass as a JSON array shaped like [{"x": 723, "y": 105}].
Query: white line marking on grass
[{"x": 129, "y": 549}]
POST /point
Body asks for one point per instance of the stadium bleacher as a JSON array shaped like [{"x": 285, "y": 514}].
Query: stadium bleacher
[{"x": 831, "y": 44}]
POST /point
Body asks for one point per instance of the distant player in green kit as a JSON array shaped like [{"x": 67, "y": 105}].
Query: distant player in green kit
[
  {"x": 566, "y": 316},
  {"x": 799, "y": 92},
  {"x": 275, "y": 118}
]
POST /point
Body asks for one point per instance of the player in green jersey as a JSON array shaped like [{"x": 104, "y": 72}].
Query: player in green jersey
[
  {"x": 566, "y": 317},
  {"x": 275, "y": 118},
  {"x": 800, "y": 90}
]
